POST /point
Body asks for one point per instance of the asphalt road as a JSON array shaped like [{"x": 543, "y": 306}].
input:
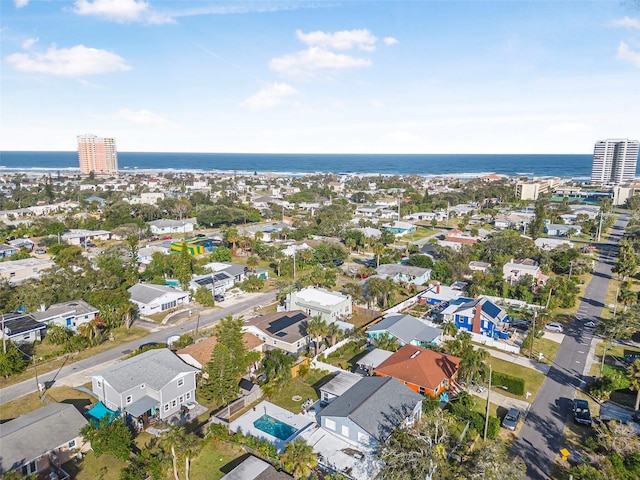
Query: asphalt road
[
  {"x": 540, "y": 438},
  {"x": 160, "y": 335}
]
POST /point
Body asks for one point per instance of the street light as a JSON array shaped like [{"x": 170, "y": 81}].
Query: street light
[{"x": 486, "y": 415}]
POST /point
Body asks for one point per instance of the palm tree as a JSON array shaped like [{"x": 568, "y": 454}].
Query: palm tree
[
  {"x": 174, "y": 438},
  {"x": 627, "y": 297},
  {"x": 350, "y": 244},
  {"x": 378, "y": 249},
  {"x": 386, "y": 342},
  {"x": 633, "y": 374},
  {"x": 473, "y": 364},
  {"x": 450, "y": 329},
  {"x": 253, "y": 262},
  {"x": 333, "y": 332},
  {"x": 232, "y": 237},
  {"x": 299, "y": 459},
  {"x": 317, "y": 328}
]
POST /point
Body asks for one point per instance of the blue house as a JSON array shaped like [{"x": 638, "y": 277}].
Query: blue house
[
  {"x": 7, "y": 251},
  {"x": 406, "y": 329},
  {"x": 475, "y": 315}
]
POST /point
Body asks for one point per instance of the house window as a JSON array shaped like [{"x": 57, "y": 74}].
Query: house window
[
  {"x": 12, "y": 274},
  {"x": 98, "y": 384},
  {"x": 129, "y": 399},
  {"x": 330, "y": 424},
  {"x": 181, "y": 399},
  {"x": 141, "y": 386},
  {"x": 72, "y": 444},
  {"x": 363, "y": 438},
  {"x": 188, "y": 395},
  {"x": 166, "y": 407},
  {"x": 180, "y": 382},
  {"x": 345, "y": 431},
  {"x": 422, "y": 390},
  {"x": 174, "y": 403}
]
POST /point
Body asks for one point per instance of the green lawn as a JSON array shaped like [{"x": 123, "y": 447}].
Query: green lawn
[
  {"x": 549, "y": 348},
  {"x": 346, "y": 356},
  {"x": 533, "y": 379},
  {"x": 302, "y": 387},
  {"x": 213, "y": 456},
  {"x": 31, "y": 402},
  {"x": 91, "y": 467}
]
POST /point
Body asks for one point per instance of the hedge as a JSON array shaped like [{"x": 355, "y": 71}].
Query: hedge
[{"x": 514, "y": 385}]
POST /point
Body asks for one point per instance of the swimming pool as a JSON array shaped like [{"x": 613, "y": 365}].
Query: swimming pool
[{"x": 274, "y": 427}]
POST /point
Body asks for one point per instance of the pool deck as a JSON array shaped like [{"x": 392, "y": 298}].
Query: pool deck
[{"x": 245, "y": 422}]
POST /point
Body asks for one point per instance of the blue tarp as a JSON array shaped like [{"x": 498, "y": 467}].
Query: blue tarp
[{"x": 99, "y": 411}]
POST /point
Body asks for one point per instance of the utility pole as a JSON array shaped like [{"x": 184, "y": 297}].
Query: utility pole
[
  {"x": 294, "y": 262},
  {"x": 570, "y": 269},
  {"x": 533, "y": 333},
  {"x": 604, "y": 355},
  {"x": 4, "y": 337},
  {"x": 486, "y": 415}
]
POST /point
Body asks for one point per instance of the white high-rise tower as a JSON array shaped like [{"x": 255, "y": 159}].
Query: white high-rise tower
[{"x": 614, "y": 161}]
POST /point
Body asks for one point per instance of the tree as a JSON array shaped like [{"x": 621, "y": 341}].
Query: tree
[
  {"x": 113, "y": 438},
  {"x": 492, "y": 462},
  {"x": 385, "y": 341},
  {"x": 13, "y": 361},
  {"x": 626, "y": 263},
  {"x": 174, "y": 439},
  {"x": 472, "y": 364},
  {"x": 317, "y": 328},
  {"x": 418, "y": 452},
  {"x": 221, "y": 384},
  {"x": 422, "y": 261},
  {"x": 378, "y": 249},
  {"x": 184, "y": 269},
  {"x": 633, "y": 374},
  {"x": 298, "y": 459},
  {"x": 253, "y": 262},
  {"x": 450, "y": 329},
  {"x": 232, "y": 237},
  {"x": 277, "y": 368},
  {"x": 220, "y": 254}
]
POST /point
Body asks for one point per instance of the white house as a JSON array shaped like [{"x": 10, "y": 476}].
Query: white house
[
  {"x": 77, "y": 236},
  {"x": 317, "y": 302},
  {"x": 164, "y": 227},
  {"x": 67, "y": 314},
  {"x": 157, "y": 298}
]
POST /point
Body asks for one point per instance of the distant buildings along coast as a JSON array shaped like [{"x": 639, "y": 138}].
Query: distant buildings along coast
[
  {"x": 614, "y": 161},
  {"x": 97, "y": 155}
]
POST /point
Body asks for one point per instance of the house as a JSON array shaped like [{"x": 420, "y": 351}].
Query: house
[
  {"x": 165, "y": 226},
  {"x": 21, "y": 327},
  {"x": 199, "y": 354},
  {"x": 368, "y": 412},
  {"x": 42, "y": 440},
  {"x": 404, "y": 273},
  {"x": 286, "y": 331},
  {"x": 548, "y": 244},
  {"x": 145, "y": 254},
  {"x": 422, "y": 370},
  {"x": 318, "y": 302},
  {"x": 406, "y": 329},
  {"x": 155, "y": 383},
  {"x": 157, "y": 298},
  {"x": 373, "y": 358},
  {"x": 479, "y": 315},
  {"x": 476, "y": 266},
  {"x": 17, "y": 271},
  {"x": 217, "y": 282},
  {"x": 67, "y": 314},
  {"x": 19, "y": 243},
  {"x": 338, "y": 385},
  {"x": 254, "y": 468},
  {"x": 7, "y": 251},
  {"x": 562, "y": 230},
  {"x": 399, "y": 228},
  {"x": 77, "y": 236},
  {"x": 236, "y": 271},
  {"x": 101, "y": 202},
  {"x": 458, "y": 236},
  {"x": 438, "y": 294},
  {"x": 515, "y": 271}
]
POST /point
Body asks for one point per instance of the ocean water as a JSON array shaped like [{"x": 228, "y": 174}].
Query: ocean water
[{"x": 577, "y": 167}]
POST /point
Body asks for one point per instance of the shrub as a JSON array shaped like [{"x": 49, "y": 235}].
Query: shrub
[{"x": 514, "y": 385}]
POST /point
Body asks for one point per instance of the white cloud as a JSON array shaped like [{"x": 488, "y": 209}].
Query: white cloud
[
  {"x": 143, "y": 117},
  {"x": 627, "y": 22},
  {"x": 269, "y": 97},
  {"x": 390, "y": 40},
  {"x": 342, "y": 40},
  {"x": 28, "y": 43},
  {"x": 74, "y": 61},
  {"x": 21, "y": 3},
  {"x": 121, "y": 11},
  {"x": 306, "y": 62},
  {"x": 626, "y": 54}
]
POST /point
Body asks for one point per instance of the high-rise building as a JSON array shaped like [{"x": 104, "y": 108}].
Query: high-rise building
[
  {"x": 614, "y": 161},
  {"x": 97, "y": 155}
]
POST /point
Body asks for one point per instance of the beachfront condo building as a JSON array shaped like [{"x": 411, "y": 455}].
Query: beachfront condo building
[
  {"x": 97, "y": 155},
  {"x": 614, "y": 161}
]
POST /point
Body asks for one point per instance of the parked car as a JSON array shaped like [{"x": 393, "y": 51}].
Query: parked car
[
  {"x": 581, "y": 412},
  {"x": 510, "y": 420},
  {"x": 590, "y": 324},
  {"x": 167, "y": 237},
  {"x": 40, "y": 251},
  {"x": 219, "y": 297},
  {"x": 337, "y": 263},
  {"x": 631, "y": 357},
  {"x": 554, "y": 327}
]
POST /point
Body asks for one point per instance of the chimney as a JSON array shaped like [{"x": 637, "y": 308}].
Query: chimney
[
  {"x": 42, "y": 307},
  {"x": 438, "y": 288},
  {"x": 475, "y": 297},
  {"x": 475, "y": 328}
]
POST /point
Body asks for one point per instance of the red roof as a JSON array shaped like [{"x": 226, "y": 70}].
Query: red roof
[{"x": 419, "y": 366}]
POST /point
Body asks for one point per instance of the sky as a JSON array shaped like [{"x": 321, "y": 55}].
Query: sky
[{"x": 509, "y": 77}]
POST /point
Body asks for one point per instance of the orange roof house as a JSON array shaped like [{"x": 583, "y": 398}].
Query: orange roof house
[
  {"x": 199, "y": 354},
  {"x": 422, "y": 370}
]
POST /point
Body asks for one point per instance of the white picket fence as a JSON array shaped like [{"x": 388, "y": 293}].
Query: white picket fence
[{"x": 317, "y": 364}]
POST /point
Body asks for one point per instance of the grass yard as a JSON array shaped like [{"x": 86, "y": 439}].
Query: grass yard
[
  {"x": 420, "y": 233},
  {"x": 91, "y": 467},
  {"x": 346, "y": 356},
  {"x": 213, "y": 456},
  {"x": 303, "y": 387},
  {"x": 549, "y": 348},
  {"x": 533, "y": 379},
  {"x": 120, "y": 336},
  {"x": 31, "y": 402}
]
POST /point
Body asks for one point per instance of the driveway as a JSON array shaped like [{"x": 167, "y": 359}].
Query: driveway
[{"x": 541, "y": 436}]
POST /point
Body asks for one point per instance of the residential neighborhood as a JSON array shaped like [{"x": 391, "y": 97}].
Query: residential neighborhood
[{"x": 315, "y": 326}]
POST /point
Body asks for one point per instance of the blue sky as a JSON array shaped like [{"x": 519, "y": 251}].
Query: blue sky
[{"x": 320, "y": 76}]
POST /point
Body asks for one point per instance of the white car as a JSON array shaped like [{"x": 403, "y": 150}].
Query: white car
[
  {"x": 590, "y": 324},
  {"x": 554, "y": 327}
]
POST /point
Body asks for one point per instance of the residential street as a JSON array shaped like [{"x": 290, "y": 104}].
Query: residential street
[
  {"x": 76, "y": 373},
  {"x": 541, "y": 435}
]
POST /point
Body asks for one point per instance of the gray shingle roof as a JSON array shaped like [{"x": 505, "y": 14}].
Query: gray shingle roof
[
  {"x": 154, "y": 368},
  {"x": 31, "y": 435},
  {"x": 377, "y": 404},
  {"x": 74, "y": 307},
  {"x": 146, "y": 293},
  {"x": 406, "y": 328}
]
